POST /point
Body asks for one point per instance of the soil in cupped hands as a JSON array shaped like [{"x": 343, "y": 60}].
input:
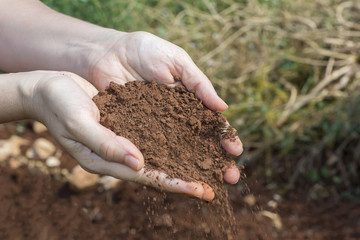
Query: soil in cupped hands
[{"x": 179, "y": 136}]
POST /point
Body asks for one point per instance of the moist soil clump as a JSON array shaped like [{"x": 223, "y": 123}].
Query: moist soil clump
[{"x": 177, "y": 134}]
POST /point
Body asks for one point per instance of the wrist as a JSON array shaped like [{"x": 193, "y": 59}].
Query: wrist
[
  {"x": 83, "y": 55},
  {"x": 27, "y": 91},
  {"x": 16, "y": 100}
]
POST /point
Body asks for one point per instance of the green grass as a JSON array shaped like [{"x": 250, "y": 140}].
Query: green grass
[{"x": 271, "y": 61}]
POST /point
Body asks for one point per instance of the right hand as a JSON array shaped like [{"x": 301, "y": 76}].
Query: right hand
[{"x": 63, "y": 102}]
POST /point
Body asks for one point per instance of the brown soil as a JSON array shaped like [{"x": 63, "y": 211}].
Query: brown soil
[
  {"x": 37, "y": 206},
  {"x": 178, "y": 135}
]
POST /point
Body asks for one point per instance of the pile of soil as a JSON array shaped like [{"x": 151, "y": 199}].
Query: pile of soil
[{"x": 177, "y": 134}]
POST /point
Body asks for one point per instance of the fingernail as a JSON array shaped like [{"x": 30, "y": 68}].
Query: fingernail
[
  {"x": 224, "y": 103},
  {"x": 132, "y": 162},
  {"x": 208, "y": 194}
]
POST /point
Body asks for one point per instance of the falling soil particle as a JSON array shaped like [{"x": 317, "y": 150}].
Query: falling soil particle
[{"x": 177, "y": 134}]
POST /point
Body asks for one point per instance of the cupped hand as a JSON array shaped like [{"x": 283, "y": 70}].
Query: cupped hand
[
  {"x": 63, "y": 102},
  {"x": 143, "y": 56}
]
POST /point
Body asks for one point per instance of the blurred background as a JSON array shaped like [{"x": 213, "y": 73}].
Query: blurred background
[
  {"x": 288, "y": 69},
  {"x": 290, "y": 72}
]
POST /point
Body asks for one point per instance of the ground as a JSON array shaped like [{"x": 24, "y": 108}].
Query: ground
[{"x": 35, "y": 205}]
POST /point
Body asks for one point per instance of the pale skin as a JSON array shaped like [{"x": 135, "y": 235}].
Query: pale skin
[{"x": 81, "y": 59}]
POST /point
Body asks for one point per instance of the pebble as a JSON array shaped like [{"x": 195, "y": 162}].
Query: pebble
[
  {"x": 38, "y": 127},
  {"x": 272, "y": 204},
  {"x": 81, "y": 180},
  {"x": 18, "y": 141},
  {"x": 44, "y": 148},
  {"x": 274, "y": 217},
  {"x": 30, "y": 153},
  {"x": 250, "y": 200},
  {"x": 11, "y": 147},
  {"x": 52, "y": 162},
  {"x": 5, "y": 150},
  {"x": 14, "y": 164}
]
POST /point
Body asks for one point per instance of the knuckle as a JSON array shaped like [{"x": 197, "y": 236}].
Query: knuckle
[
  {"x": 49, "y": 84},
  {"x": 74, "y": 123},
  {"x": 107, "y": 151},
  {"x": 182, "y": 53},
  {"x": 142, "y": 34}
]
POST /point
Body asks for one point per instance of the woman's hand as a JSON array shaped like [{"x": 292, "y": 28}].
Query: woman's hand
[
  {"x": 63, "y": 102},
  {"x": 59, "y": 42},
  {"x": 143, "y": 56}
]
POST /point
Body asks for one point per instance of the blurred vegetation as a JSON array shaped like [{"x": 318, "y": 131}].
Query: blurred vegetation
[{"x": 288, "y": 69}]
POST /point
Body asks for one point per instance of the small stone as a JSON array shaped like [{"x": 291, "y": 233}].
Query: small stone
[
  {"x": 108, "y": 182},
  {"x": 5, "y": 150},
  {"x": 250, "y": 200},
  {"x": 11, "y": 147},
  {"x": 30, "y": 153},
  {"x": 52, "y": 162},
  {"x": 19, "y": 141},
  {"x": 272, "y": 204},
  {"x": 38, "y": 127},
  {"x": 14, "y": 164},
  {"x": 274, "y": 217},
  {"x": 44, "y": 148},
  {"x": 81, "y": 180}
]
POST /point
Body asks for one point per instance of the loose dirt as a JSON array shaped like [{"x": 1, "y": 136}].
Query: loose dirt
[
  {"x": 37, "y": 206},
  {"x": 178, "y": 135}
]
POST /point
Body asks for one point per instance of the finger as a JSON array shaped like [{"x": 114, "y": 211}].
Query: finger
[
  {"x": 232, "y": 174},
  {"x": 108, "y": 145},
  {"x": 195, "y": 80},
  {"x": 232, "y": 145},
  {"x": 91, "y": 162},
  {"x": 162, "y": 181}
]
